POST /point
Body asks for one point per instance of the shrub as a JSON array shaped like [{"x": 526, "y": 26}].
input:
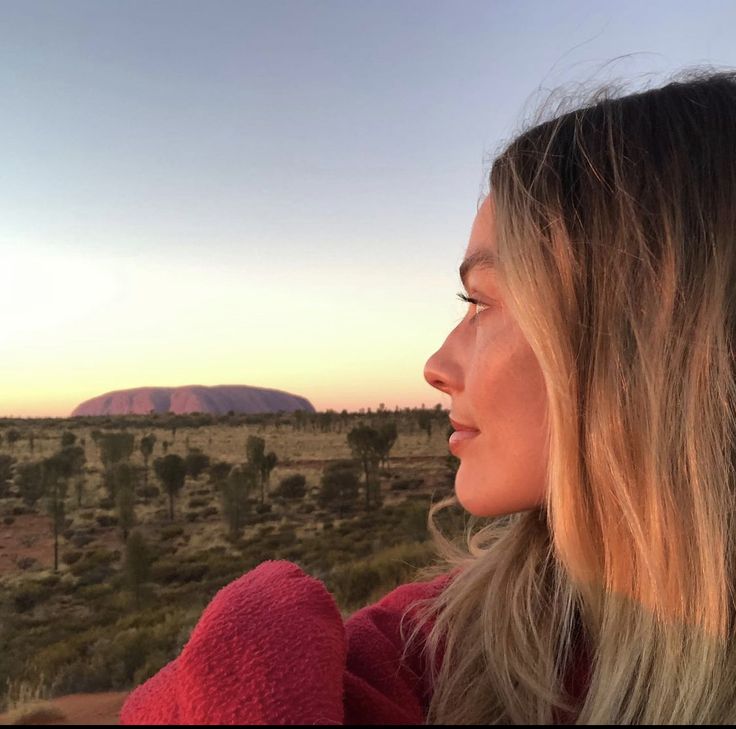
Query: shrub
[
  {"x": 35, "y": 712},
  {"x": 28, "y": 596},
  {"x": 107, "y": 520},
  {"x": 208, "y": 512},
  {"x": 70, "y": 556},
  {"x": 81, "y": 540},
  {"x": 97, "y": 557},
  {"x": 171, "y": 530},
  {"x": 292, "y": 487},
  {"x": 8, "y": 519},
  {"x": 94, "y": 576},
  {"x": 148, "y": 492},
  {"x": 406, "y": 484},
  {"x": 106, "y": 503},
  {"x": 169, "y": 571},
  {"x": 196, "y": 503},
  {"x": 355, "y": 584},
  {"x": 94, "y": 591}
]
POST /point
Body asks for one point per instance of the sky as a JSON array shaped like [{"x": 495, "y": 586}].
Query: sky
[{"x": 274, "y": 193}]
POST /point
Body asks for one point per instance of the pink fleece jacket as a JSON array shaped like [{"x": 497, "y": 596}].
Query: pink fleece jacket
[{"x": 271, "y": 648}]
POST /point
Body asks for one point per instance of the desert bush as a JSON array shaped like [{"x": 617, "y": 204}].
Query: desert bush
[
  {"x": 94, "y": 558},
  {"x": 94, "y": 592},
  {"x": 292, "y": 487},
  {"x": 107, "y": 520},
  {"x": 81, "y": 540},
  {"x": 171, "y": 571},
  {"x": 70, "y": 556},
  {"x": 25, "y": 563},
  {"x": 35, "y": 713},
  {"x": 196, "y": 503},
  {"x": 358, "y": 583},
  {"x": 406, "y": 484},
  {"x": 170, "y": 531},
  {"x": 94, "y": 575},
  {"x": 148, "y": 492},
  {"x": 50, "y": 580},
  {"x": 27, "y": 596},
  {"x": 8, "y": 520},
  {"x": 208, "y": 512}
]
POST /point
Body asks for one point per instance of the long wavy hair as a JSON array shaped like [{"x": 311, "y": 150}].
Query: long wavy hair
[{"x": 616, "y": 234}]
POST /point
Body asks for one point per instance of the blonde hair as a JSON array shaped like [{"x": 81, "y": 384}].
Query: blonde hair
[{"x": 616, "y": 234}]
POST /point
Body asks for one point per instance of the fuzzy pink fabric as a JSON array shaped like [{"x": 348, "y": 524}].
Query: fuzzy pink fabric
[{"x": 271, "y": 648}]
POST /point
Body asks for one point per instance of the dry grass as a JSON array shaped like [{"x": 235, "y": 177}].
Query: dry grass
[{"x": 34, "y": 712}]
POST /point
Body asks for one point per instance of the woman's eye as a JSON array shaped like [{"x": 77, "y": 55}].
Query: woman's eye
[{"x": 475, "y": 302}]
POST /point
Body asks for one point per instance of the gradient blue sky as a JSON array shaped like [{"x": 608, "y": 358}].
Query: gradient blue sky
[{"x": 273, "y": 193}]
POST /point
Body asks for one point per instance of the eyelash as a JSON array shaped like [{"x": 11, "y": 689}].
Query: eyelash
[{"x": 475, "y": 302}]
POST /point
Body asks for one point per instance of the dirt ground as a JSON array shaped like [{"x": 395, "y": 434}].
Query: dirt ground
[{"x": 89, "y": 709}]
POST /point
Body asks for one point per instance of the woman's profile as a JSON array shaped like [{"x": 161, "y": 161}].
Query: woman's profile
[{"x": 593, "y": 391}]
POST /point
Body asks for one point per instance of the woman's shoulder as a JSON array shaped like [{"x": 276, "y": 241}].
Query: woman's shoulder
[
  {"x": 269, "y": 646},
  {"x": 272, "y": 647},
  {"x": 383, "y": 683}
]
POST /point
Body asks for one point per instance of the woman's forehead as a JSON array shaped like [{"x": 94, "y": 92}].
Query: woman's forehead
[{"x": 482, "y": 234}]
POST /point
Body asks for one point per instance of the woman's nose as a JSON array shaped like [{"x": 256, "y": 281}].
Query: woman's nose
[{"x": 436, "y": 372}]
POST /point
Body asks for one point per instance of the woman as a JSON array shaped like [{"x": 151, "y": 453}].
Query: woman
[{"x": 593, "y": 377}]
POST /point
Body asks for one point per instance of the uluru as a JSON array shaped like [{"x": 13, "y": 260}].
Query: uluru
[{"x": 218, "y": 400}]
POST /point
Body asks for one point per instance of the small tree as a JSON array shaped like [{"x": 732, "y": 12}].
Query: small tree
[
  {"x": 218, "y": 472},
  {"x": 424, "y": 421},
  {"x": 367, "y": 445},
  {"x": 125, "y": 497},
  {"x": 196, "y": 462},
  {"x": 387, "y": 437},
  {"x": 29, "y": 480},
  {"x": 137, "y": 564},
  {"x": 172, "y": 472},
  {"x": 292, "y": 487},
  {"x": 55, "y": 486},
  {"x": 115, "y": 447},
  {"x": 236, "y": 490},
  {"x": 79, "y": 483},
  {"x": 7, "y": 467},
  {"x": 12, "y": 436},
  {"x": 146, "y": 447},
  {"x": 339, "y": 485},
  {"x": 254, "y": 449}
]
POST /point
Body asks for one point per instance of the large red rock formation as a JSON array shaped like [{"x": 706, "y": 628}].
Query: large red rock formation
[{"x": 217, "y": 400}]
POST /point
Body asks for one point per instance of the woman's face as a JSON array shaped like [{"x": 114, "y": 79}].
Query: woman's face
[{"x": 496, "y": 386}]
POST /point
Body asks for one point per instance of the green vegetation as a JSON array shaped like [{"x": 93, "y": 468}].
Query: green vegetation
[{"x": 126, "y": 577}]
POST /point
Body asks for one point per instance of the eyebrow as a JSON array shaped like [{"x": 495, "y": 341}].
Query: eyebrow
[{"x": 482, "y": 259}]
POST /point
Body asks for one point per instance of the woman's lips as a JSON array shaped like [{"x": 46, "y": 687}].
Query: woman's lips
[{"x": 459, "y": 437}]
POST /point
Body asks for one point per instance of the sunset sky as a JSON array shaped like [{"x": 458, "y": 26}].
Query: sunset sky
[{"x": 273, "y": 193}]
